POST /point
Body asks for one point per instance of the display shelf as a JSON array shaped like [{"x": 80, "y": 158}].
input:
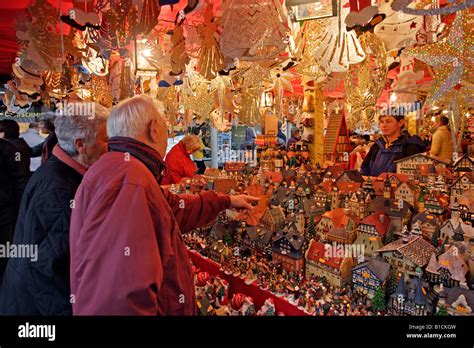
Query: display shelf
[{"x": 237, "y": 285}]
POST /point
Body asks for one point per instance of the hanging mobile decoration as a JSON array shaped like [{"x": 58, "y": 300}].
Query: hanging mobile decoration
[
  {"x": 339, "y": 48},
  {"x": 253, "y": 30},
  {"x": 39, "y": 37}
]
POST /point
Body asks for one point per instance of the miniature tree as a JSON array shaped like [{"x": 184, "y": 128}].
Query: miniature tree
[
  {"x": 441, "y": 311},
  {"x": 442, "y": 249},
  {"x": 311, "y": 227},
  {"x": 389, "y": 236},
  {"x": 435, "y": 240},
  {"x": 227, "y": 239},
  {"x": 392, "y": 282},
  {"x": 378, "y": 301}
]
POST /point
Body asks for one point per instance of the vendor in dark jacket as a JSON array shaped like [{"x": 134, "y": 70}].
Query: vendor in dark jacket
[
  {"x": 394, "y": 144},
  {"x": 11, "y": 131},
  {"x": 41, "y": 285},
  {"x": 9, "y": 187}
]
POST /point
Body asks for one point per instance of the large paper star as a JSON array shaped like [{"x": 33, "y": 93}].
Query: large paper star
[{"x": 451, "y": 57}]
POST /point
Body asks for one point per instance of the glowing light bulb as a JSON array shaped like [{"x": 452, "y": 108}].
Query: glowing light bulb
[
  {"x": 393, "y": 97},
  {"x": 146, "y": 52}
]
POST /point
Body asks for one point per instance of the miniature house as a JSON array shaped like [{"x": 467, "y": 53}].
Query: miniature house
[
  {"x": 273, "y": 219},
  {"x": 369, "y": 276},
  {"x": 429, "y": 224},
  {"x": 399, "y": 214},
  {"x": 409, "y": 165},
  {"x": 464, "y": 183},
  {"x": 405, "y": 256},
  {"x": 448, "y": 269},
  {"x": 335, "y": 218},
  {"x": 458, "y": 301},
  {"x": 406, "y": 191},
  {"x": 372, "y": 232},
  {"x": 465, "y": 164},
  {"x": 411, "y": 298},
  {"x": 336, "y": 140},
  {"x": 336, "y": 270},
  {"x": 455, "y": 229},
  {"x": 288, "y": 250}
]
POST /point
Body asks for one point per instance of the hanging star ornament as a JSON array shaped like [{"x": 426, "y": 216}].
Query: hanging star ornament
[{"x": 451, "y": 57}]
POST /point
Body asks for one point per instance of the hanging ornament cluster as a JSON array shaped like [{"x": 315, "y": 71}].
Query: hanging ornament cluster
[
  {"x": 364, "y": 82},
  {"x": 451, "y": 57}
]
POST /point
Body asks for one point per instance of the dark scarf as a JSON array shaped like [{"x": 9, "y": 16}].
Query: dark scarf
[{"x": 145, "y": 154}]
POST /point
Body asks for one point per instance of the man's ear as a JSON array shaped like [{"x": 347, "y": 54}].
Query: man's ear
[
  {"x": 80, "y": 146},
  {"x": 154, "y": 132}
]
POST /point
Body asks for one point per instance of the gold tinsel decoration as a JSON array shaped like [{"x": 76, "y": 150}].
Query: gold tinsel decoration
[
  {"x": 97, "y": 89},
  {"x": 307, "y": 42},
  {"x": 249, "y": 108},
  {"x": 199, "y": 100},
  {"x": 451, "y": 57},
  {"x": 364, "y": 82}
]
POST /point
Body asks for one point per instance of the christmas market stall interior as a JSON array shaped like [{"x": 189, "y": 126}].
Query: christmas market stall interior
[{"x": 250, "y": 158}]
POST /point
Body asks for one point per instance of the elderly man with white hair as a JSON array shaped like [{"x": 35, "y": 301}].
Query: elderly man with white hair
[
  {"x": 127, "y": 253},
  {"x": 40, "y": 284}
]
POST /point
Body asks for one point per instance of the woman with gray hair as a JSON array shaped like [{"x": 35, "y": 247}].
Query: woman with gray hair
[{"x": 40, "y": 285}]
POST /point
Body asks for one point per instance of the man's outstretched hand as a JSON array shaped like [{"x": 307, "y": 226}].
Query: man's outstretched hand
[{"x": 242, "y": 201}]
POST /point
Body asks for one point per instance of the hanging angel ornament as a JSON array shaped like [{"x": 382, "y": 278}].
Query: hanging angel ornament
[
  {"x": 249, "y": 108},
  {"x": 306, "y": 43},
  {"x": 253, "y": 30},
  {"x": 179, "y": 57},
  {"x": 407, "y": 79},
  {"x": 219, "y": 121},
  {"x": 364, "y": 82},
  {"x": 210, "y": 60},
  {"x": 170, "y": 101},
  {"x": 199, "y": 99},
  {"x": 398, "y": 30},
  {"x": 219, "y": 85},
  {"x": 282, "y": 81},
  {"x": 192, "y": 78},
  {"x": 253, "y": 74}
]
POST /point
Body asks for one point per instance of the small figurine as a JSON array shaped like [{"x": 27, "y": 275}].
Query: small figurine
[{"x": 268, "y": 308}]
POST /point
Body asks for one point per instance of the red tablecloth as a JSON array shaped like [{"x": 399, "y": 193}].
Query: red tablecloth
[{"x": 237, "y": 285}]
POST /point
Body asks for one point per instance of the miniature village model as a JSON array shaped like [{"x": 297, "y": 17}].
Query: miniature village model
[{"x": 329, "y": 241}]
